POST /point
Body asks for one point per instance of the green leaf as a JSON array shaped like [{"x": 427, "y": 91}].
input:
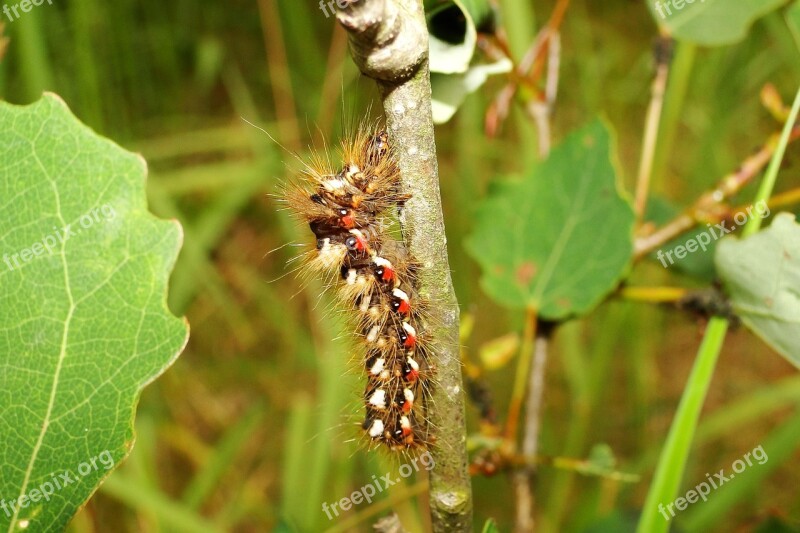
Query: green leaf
[
  {"x": 84, "y": 324},
  {"x": 560, "y": 240},
  {"x": 762, "y": 275},
  {"x": 710, "y": 22}
]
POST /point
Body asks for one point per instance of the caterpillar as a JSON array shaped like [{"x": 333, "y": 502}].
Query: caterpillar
[{"x": 375, "y": 277}]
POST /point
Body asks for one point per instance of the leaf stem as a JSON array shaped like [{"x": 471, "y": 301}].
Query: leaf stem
[
  {"x": 653, "y": 294},
  {"x": 521, "y": 376}
]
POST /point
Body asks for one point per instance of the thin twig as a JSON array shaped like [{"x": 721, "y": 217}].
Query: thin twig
[
  {"x": 389, "y": 42},
  {"x": 523, "y": 478},
  {"x": 540, "y": 111},
  {"x": 533, "y": 408},
  {"x": 663, "y": 53},
  {"x": 708, "y": 206},
  {"x": 528, "y": 71}
]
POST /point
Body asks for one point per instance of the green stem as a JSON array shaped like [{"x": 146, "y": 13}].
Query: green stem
[
  {"x": 673, "y": 459},
  {"x": 768, "y": 184},
  {"x": 676, "y": 450}
]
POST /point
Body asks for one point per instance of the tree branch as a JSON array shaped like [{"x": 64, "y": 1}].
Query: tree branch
[
  {"x": 389, "y": 42},
  {"x": 388, "y": 38}
]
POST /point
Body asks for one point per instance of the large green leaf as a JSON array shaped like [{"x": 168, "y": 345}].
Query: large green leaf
[
  {"x": 84, "y": 324},
  {"x": 762, "y": 274},
  {"x": 561, "y": 239},
  {"x": 710, "y": 22}
]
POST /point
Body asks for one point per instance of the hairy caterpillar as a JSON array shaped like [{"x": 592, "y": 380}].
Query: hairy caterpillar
[{"x": 375, "y": 277}]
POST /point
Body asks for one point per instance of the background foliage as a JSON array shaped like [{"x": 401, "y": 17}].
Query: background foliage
[{"x": 249, "y": 430}]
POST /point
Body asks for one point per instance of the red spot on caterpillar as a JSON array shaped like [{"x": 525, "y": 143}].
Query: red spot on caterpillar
[
  {"x": 405, "y": 425},
  {"x": 407, "y": 400},
  {"x": 348, "y": 222},
  {"x": 401, "y": 303},
  {"x": 408, "y": 336},
  {"x": 411, "y": 371},
  {"x": 384, "y": 271}
]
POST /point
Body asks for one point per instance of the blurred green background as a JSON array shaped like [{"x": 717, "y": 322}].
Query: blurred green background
[{"x": 254, "y": 426}]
